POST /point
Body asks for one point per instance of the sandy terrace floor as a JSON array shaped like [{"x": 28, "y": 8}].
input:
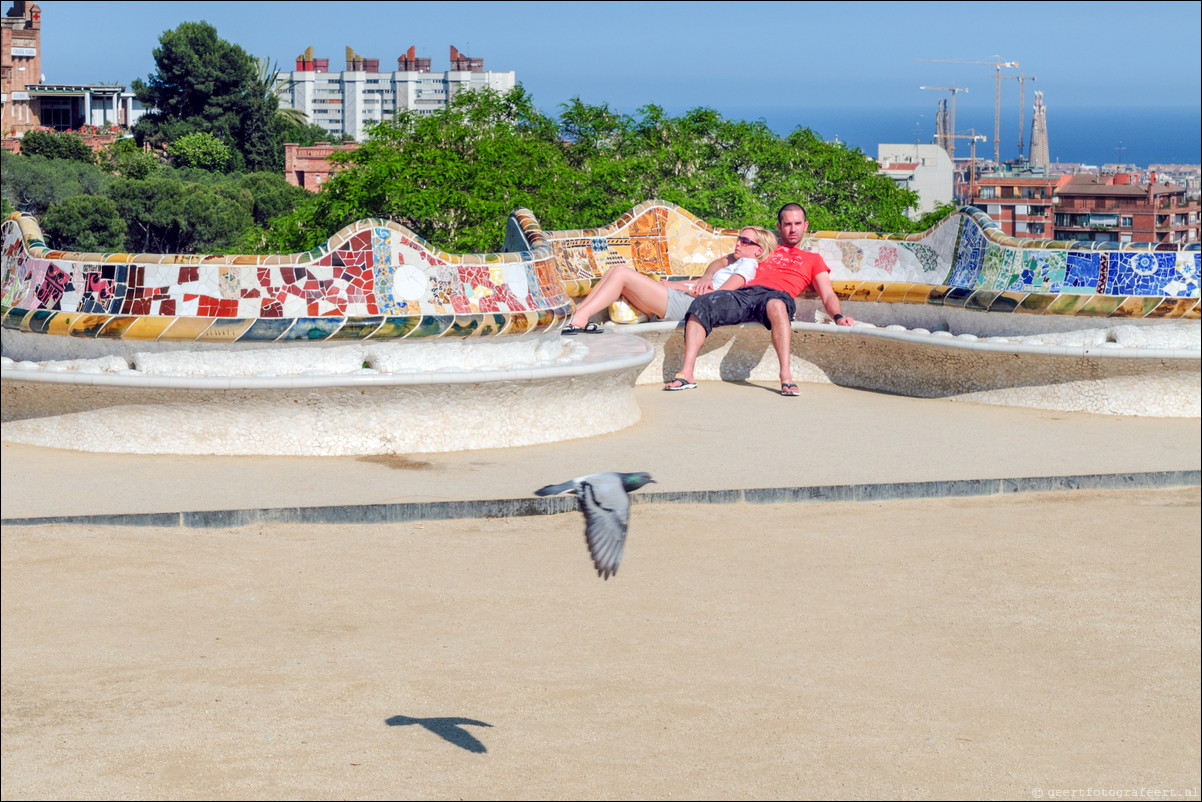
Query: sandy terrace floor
[{"x": 981, "y": 648}]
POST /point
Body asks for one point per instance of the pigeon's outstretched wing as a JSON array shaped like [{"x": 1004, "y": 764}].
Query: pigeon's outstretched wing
[
  {"x": 604, "y": 500},
  {"x": 606, "y": 509},
  {"x": 551, "y": 490}
]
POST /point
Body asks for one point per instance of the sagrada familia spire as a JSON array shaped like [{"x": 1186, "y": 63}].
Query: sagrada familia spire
[{"x": 1039, "y": 134}]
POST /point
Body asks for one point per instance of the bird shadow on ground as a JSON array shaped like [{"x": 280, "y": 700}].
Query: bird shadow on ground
[{"x": 449, "y": 729}]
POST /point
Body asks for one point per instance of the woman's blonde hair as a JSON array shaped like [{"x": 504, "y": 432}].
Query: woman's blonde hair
[{"x": 766, "y": 239}]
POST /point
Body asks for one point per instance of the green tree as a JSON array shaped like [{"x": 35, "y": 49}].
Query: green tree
[
  {"x": 57, "y": 146},
  {"x": 201, "y": 150},
  {"x": 88, "y": 223},
  {"x": 169, "y": 216},
  {"x": 269, "y": 77},
  {"x": 310, "y": 134},
  {"x": 271, "y": 196},
  {"x": 453, "y": 176},
  {"x": 127, "y": 160},
  {"x": 35, "y": 183},
  {"x": 204, "y": 83}
]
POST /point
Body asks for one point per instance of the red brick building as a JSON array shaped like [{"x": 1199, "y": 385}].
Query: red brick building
[
  {"x": 1021, "y": 202},
  {"x": 308, "y": 166},
  {"x": 1115, "y": 209},
  {"x": 1087, "y": 207},
  {"x": 20, "y": 67}
]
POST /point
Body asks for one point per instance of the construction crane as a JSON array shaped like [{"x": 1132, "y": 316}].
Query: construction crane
[
  {"x": 951, "y": 123},
  {"x": 1022, "y": 102},
  {"x": 997, "y": 64},
  {"x": 974, "y": 138}
]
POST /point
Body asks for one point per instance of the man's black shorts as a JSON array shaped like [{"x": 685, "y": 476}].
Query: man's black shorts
[{"x": 731, "y": 307}]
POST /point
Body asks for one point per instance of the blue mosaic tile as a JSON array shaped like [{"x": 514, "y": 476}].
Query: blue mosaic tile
[
  {"x": 1141, "y": 273},
  {"x": 313, "y": 328},
  {"x": 970, "y": 256},
  {"x": 1081, "y": 272},
  {"x": 267, "y": 329},
  {"x": 394, "y": 328}
]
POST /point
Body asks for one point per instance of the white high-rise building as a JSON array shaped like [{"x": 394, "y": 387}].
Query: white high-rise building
[
  {"x": 926, "y": 169},
  {"x": 352, "y": 101}
]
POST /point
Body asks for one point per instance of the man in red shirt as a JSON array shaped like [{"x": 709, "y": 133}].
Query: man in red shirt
[{"x": 767, "y": 299}]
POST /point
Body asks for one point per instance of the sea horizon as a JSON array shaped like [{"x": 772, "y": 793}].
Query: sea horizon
[{"x": 1083, "y": 134}]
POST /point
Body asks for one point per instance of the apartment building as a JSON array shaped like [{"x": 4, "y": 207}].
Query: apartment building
[
  {"x": 1116, "y": 209},
  {"x": 352, "y": 101},
  {"x": 1020, "y": 200}
]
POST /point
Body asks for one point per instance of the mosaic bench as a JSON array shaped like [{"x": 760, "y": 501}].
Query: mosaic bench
[
  {"x": 375, "y": 342},
  {"x": 959, "y": 311}
]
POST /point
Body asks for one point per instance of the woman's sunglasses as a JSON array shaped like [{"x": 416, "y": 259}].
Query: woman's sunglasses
[{"x": 747, "y": 241}]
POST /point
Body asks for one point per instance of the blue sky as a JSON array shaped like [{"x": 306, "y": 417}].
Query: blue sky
[{"x": 742, "y": 59}]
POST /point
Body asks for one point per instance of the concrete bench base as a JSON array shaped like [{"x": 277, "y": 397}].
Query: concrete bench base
[
  {"x": 394, "y": 413},
  {"x": 1156, "y": 382}
]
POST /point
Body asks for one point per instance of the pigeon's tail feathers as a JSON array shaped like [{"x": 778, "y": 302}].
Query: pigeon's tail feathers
[{"x": 551, "y": 490}]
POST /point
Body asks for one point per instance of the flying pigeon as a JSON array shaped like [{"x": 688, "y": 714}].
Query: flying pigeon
[{"x": 606, "y": 506}]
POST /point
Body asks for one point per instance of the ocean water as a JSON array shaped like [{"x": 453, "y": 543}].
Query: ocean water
[{"x": 1139, "y": 136}]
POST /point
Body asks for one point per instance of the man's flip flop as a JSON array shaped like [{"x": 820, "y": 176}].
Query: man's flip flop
[
  {"x": 789, "y": 390},
  {"x": 680, "y": 383}
]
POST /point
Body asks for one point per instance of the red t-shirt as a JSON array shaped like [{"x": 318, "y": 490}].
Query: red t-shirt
[{"x": 788, "y": 269}]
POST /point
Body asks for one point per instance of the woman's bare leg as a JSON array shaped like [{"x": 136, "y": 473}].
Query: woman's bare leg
[{"x": 640, "y": 291}]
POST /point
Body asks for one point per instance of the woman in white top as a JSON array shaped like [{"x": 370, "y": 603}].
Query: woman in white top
[{"x": 653, "y": 297}]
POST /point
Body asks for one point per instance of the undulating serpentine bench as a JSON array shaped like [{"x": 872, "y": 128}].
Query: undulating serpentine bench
[
  {"x": 378, "y": 342},
  {"x": 959, "y": 311}
]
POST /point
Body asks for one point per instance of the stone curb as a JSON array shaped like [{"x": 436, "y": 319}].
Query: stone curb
[{"x": 520, "y": 507}]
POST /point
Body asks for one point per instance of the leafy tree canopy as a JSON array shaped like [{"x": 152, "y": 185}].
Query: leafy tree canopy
[
  {"x": 35, "y": 183},
  {"x": 204, "y": 83},
  {"x": 126, "y": 159},
  {"x": 453, "y": 176},
  {"x": 171, "y": 216},
  {"x": 88, "y": 223},
  {"x": 57, "y": 146},
  {"x": 201, "y": 150}
]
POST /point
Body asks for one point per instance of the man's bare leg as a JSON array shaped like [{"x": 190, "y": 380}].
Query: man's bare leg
[
  {"x": 782, "y": 337},
  {"x": 694, "y": 338}
]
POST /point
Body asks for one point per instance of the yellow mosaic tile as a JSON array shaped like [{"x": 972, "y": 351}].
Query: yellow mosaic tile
[
  {"x": 147, "y": 328},
  {"x": 88, "y": 325},
  {"x": 894, "y": 292},
  {"x": 60, "y": 324},
  {"x": 918, "y": 294},
  {"x": 188, "y": 329},
  {"x": 1135, "y": 306},
  {"x": 845, "y": 289},
  {"x": 1173, "y": 307},
  {"x": 226, "y": 329},
  {"x": 868, "y": 291},
  {"x": 116, "y": 328}
]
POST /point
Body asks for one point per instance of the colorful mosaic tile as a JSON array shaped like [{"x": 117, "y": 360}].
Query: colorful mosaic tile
[{"x": 376, "y": 280}]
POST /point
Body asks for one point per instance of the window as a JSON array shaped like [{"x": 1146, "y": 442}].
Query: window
[{"x": 1127, "y": 222}]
